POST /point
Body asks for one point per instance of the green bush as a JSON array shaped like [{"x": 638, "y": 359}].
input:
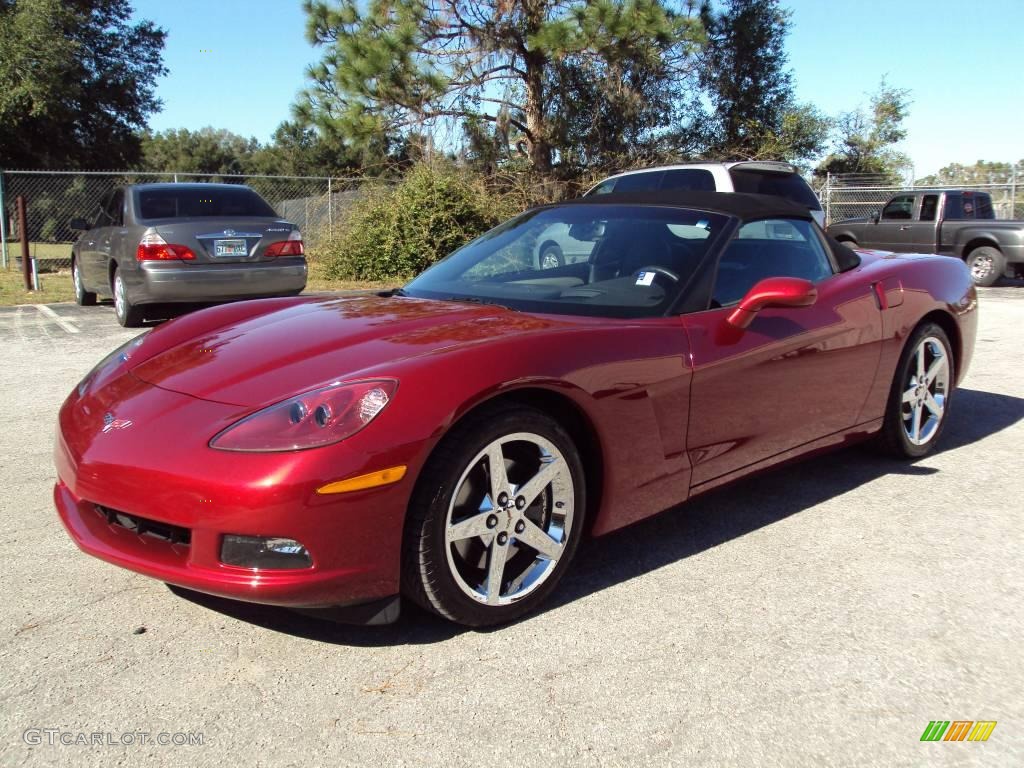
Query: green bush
[{"x": 397, "y": 232}]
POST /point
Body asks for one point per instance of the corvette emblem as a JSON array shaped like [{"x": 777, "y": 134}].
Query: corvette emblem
[
  {"x": 110, "y": 423},
  {"x": 229, "y": 232}
]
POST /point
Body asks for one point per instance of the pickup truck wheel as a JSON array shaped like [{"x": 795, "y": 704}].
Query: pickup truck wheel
[{"x": 986, "y": 264}]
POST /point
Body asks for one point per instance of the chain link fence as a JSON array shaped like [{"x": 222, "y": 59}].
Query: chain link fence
[
  {"x": 845, "y": 196},
  {"x": 316, "y": 204}
]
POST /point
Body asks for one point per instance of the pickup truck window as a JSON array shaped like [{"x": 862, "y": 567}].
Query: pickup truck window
[
  {"x": 900, "y": 207},
  {"x": 929, "y": 207},
  {"x": 968, "y": 205}
]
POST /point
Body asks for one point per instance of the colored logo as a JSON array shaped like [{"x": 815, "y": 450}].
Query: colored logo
[
  {"x": 110, "y": 423},
  {"x": 958, "y": 730}
]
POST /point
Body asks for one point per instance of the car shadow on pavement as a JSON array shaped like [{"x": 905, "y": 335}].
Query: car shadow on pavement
[{"x": 685, "y": 530}]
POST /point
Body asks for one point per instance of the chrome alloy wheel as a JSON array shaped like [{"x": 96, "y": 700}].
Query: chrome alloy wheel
[
  {"x": 549, "y": 260},
  {"x": 982, "y": 267},
  {"x": 509, "y": 518},
  {"x": 120, "y": 303},
  {"x": 925, "y": 392}
]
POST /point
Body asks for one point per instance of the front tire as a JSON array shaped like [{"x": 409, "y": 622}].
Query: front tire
[
  {"x": 128, "y": 315},
  {"x": 986, "y": 264},
  {"x": 496, "y": 517},
  {"x": 83, "y": 297},
  {"x": 920, "y": 395}
]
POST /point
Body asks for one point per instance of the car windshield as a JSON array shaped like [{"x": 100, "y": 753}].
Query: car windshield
[
  {"x": 194, "y": 202},
  {"x": 605, "y": 260}
]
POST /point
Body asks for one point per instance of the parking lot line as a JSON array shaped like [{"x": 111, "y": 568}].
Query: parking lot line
[{"x": 67, "y": 325}]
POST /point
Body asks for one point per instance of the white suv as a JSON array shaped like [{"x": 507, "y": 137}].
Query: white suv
[{"x": 758, "y": 176}]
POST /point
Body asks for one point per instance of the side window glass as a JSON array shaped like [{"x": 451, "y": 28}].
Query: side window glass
[
  {"x": 899, "y": 208},
  {"x": 101, "y": 218},
  {"x": 929, "y": 206},
  {"x": 769, "y": 248},
  {"x": 953, "y": 209},
  {"x": 115, "y": 210},
  {"x": 639, "y": 182},
  {"x": 694, "y": 179},
  {"x": 604, "y": 188}
]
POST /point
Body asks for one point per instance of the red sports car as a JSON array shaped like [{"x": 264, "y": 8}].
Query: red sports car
[{"x": 454, "y": 440}]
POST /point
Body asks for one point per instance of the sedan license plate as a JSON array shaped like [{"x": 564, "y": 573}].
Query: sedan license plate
[{"x": 230, "y": 248}]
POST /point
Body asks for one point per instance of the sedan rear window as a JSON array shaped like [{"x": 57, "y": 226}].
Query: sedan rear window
[
  {"x": 197, "y": 202},
  {"x": 787, "y": 185}
]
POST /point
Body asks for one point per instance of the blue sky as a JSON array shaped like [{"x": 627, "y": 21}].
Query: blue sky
[{"x": 238, "y": 64}]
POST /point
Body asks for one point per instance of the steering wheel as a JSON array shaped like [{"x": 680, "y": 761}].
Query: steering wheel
[{"x": 660, "y": 271}]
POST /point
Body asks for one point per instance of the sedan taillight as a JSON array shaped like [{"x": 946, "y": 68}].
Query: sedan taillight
[
  {"x": 290, "y": 247},
  {"x": 152, "y": 247}
]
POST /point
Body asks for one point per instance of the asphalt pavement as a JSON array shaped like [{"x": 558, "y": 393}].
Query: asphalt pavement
[{"x": 817, "y": 615}]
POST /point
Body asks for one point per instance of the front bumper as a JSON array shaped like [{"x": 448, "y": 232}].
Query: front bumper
[
  {"x": 160, "y": 469},
  {"x": 169, "y": 282}
]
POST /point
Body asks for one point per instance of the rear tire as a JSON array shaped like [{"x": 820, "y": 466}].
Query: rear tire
[
  {"x": 128, "y": 315},
  {"x": 550, "y": 257},
  {"x": 82, "y": 297},
  {"x": 919, "y": 398},
  {"x": 987, "y": 265},
  {"x": 485, "y": 547}
]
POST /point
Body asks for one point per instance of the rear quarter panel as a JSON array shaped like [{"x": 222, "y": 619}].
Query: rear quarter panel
[{"x": 926, "y": 285}]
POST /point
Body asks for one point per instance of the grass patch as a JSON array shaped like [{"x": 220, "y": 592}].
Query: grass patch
[
  {"x": 318, "y": 280},
  {"x": 56, "y": 286}
]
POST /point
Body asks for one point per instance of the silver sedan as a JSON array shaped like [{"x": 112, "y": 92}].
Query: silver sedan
[{"x": 152, "y": 244}]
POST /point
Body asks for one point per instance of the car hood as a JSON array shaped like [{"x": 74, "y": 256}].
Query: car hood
[{"x": 300, "y": 345}]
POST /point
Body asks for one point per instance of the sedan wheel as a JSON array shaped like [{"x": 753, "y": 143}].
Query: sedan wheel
[
  {"x": 919, "y": 400},
  {"x": 496, "y": 518},
  {"x": 128, "y": 315},
  {"x": 82, "y": 297}
]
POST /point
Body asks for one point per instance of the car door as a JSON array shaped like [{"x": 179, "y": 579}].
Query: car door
[
  {"x": 795, "y": 375},
  {"x": 894, "y": 230},
  {"x": 923, "y": 234},
  {"x": 89, "y": 253},
  {"x": 109, "y": 239}
]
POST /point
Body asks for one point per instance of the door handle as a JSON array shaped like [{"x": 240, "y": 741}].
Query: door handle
[{"x": 906, "y": 227}]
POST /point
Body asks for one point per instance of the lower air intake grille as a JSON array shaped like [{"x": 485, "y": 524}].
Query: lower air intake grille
[{"x": 172, "y": 534}]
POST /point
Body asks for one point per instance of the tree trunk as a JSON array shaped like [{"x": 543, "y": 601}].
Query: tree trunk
[{"x": 536, "y": 122}]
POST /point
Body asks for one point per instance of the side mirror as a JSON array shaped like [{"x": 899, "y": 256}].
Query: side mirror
[
  {"x": 772, "y": 292},
  {"x": 79, "y": 224},
  {"x": 874, "y": 217}
]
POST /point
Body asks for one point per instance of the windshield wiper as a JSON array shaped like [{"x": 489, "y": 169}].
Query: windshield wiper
[{"x": 392, "y": 292}]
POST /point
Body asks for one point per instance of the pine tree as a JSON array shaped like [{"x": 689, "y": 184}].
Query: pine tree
[{"x": 399, "y": 66}]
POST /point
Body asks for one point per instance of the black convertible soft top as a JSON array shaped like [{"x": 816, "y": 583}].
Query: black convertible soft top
[{"x": 741, "y": 205}]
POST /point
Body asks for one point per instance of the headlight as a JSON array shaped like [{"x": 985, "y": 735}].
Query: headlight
[
  {"x": 119, "y": 356},
  {"x": 316, "y": 418}
]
